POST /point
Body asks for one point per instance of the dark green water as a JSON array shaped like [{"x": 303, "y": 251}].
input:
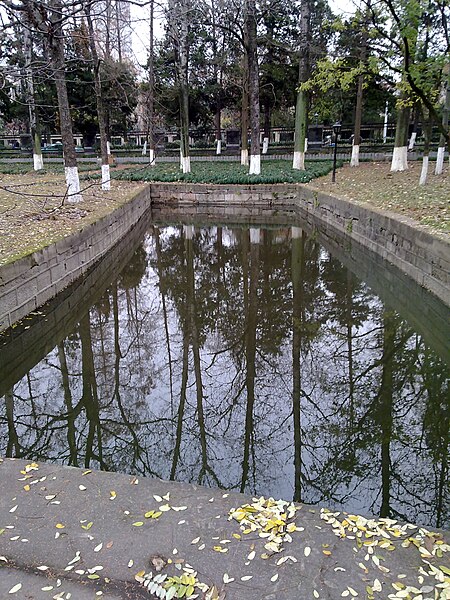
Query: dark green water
[{"x": 249, "y": 359}]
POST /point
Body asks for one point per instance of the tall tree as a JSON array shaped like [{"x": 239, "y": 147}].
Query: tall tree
[
  {"x": 402, "y": 27},
  {"x": 253, "y": 80},
  {"x": 301, "y": 109},
  {"x": 151, "y": 87},
  {"x": 354, "y": 162},
  {"x": 244, "y": 110},
  {"x": 178, "y": 20},
  {"x": 31, "y": 101},
  {"x": 49, "y": 20},
  {"x": 445, "y": 117},
  {"x": 106, "y": 178}
]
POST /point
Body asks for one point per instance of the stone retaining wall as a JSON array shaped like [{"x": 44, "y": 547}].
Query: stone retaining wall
[
  {"x": 29, "y": 282},
  {"x": 422, "y": 256}
]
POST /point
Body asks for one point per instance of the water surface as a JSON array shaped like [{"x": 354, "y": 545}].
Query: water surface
[{"x": 247, "y": 358}]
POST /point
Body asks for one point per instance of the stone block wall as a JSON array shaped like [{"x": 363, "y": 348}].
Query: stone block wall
[
  {"x": 422, "y": 256},
  {"x": 29, "y": 282}
]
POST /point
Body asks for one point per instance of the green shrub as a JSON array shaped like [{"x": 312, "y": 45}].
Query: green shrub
[{"x": 276, "y": 171}]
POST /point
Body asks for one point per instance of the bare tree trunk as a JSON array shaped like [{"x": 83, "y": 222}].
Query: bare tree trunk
[
  {"x": 400, "y": 154},
  {"x": 34, "y": 123},
  {"x": 218, "y": 83},
  {"x": 253, "y": 78},
  {"x": 267, "y": 115},
  {"x": 301, "y": 109},
  {"x": 108, "y": 28},
  {"x": 106, "y": 178},
  {"x": 56, "y": 50},
  {"x": 244, "y": 111},
  {"x": 178, "y": 18},
  {"x": 445, "y": 116},
  {"x": 151, "y": 89},
  {"x": 426, "y": 151},
  {"x": 51, "y": 26},
  {"x": 118, "y": 31},
  {"x": 413, "y": 137},
  {"x": 354, "y": 162}
]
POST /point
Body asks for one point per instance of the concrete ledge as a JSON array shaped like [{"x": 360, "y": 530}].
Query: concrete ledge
[
  {"x": 29, "y": 282},
  {"x": 61, "y": 525}
]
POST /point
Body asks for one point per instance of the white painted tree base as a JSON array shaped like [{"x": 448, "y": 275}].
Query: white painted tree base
[
  {"x": 218, "y": 146},
  {"x": 255, "y": 235},
  {"x": 265, "y": 145},
  {"x": 244, "y": 157},
  {"x": 439, "y": 161},
  {"x": 73, "y": 184},
  {"x": 412, "y": 141},
  {"x": 354, "y": 161},
  {"x": 299, "y": 161},
  {"x": 106, "y": 178},
  {"x": 188, "y": 231},
  {"x": 186, "y": 164},
  {"x": 255, "y": 164},
  {"x": 424, "y": 172},
  {"x": 152, "y": 157},
  {"x": 38, "y": 162},
  {"x": 399, "y": 159}
]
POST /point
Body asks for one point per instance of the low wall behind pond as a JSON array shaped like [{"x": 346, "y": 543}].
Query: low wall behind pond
[
  {"x": 422, "y": 256},
  {"x": 31, "y": 281}
]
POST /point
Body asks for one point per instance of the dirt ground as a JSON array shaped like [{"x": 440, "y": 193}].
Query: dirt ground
[
  {"x": 374, "y": 184},
  {"x": 34, "y": 212}
]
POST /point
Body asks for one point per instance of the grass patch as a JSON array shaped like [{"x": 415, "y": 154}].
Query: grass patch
[{"x": 273, "y": 171}]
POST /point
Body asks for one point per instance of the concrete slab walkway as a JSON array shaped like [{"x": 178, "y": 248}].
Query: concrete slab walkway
[{"x": 75, "y": 533}]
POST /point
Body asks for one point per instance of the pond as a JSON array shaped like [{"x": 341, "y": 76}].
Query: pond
[{"x": 245, "y": 357}]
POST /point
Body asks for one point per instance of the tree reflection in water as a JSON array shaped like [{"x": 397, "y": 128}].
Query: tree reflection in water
[{"x": 246, "y": 358}]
